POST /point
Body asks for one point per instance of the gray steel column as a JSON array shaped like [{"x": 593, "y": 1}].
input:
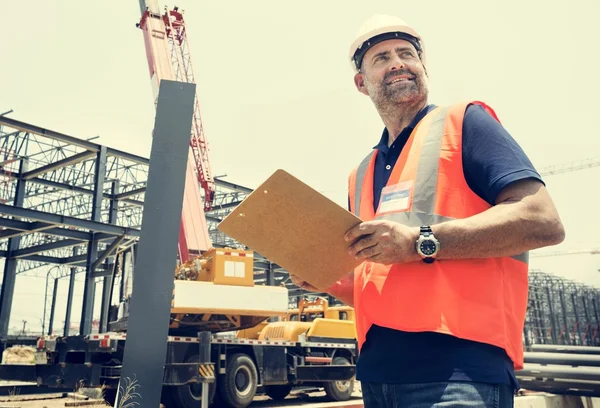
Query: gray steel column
[
  {"x": 53, "y": 307},
  {"x": 108, "y": 281},
  {"x": 87, "y": 310},
  {"x": 70, "y": 295},
  {"x": 563, "y": 308},
  {"x": 148, "y": 322},
  {"x": 538, "y": 313},
  {"x": 554, "y": 330},
  {"x": 577, "y": 325},
  {"x": 134, "y": 256},
  {"x": 596, "y": 311},
  {"x": 10, "y": 264},
  {"x": 588, "y": 339},
  {"x": 270, "y": 275},
  {"x": 126, "y": 255}
]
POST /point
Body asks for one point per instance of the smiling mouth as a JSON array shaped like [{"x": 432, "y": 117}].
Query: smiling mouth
[{"x": 399, "y": 79}]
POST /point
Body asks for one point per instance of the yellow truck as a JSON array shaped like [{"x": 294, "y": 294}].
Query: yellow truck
[
  {"x": 219, "y": 311},
  {"x": 329, "y": 337}
]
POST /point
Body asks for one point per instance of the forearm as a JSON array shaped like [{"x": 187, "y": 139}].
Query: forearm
[
  {"x": 509, "y": 228},
  {"x": 344, "y": 289}
]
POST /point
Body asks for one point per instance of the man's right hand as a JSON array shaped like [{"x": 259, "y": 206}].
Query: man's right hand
[{"x": 302, "y": 284}]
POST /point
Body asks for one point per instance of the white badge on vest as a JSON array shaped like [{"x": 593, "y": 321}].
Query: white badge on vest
[{"x": 395, "y": 198}]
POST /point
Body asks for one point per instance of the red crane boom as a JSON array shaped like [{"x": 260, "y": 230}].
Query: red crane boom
[
  {"x": 184, "y": 72},
  {"x": 169, "y": 58}
]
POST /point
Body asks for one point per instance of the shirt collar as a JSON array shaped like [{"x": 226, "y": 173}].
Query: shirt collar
[{"x": 383, "y": 147}]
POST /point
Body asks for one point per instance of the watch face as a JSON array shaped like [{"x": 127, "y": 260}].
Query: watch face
[{"x": 428, "y": 247}]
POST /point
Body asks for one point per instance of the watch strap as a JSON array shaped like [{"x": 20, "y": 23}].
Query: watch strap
[{"x": 426, "y": 230}]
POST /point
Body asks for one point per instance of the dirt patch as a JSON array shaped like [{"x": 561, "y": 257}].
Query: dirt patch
[
  {"x": 60, "y": 400},
  {"x": 55, "y": 403},
  {"x": 18, "y": 355}
]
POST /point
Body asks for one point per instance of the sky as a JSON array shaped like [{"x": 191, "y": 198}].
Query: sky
[{"x": 276, "y": 91}]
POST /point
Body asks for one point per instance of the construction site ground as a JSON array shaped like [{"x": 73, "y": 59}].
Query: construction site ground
[
  {"x": 62, "y": 400},
  {"x": 295, "y": 399}
]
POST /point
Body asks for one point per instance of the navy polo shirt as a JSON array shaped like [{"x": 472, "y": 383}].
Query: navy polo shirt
[{"x": 492, "y": 159}]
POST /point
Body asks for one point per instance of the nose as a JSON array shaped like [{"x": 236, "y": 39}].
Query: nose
[{"x": 396, "y": 63}]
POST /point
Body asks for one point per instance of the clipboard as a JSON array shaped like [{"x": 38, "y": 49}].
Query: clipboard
[{"x": 296, "y": 227}]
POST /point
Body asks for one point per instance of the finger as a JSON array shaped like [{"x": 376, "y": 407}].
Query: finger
[
  {"x": 370, "y": 252},
  {"x": 363, "y": 228},
  {"x": 300, "y": 283},
  {"x": 362, "y": 243}
]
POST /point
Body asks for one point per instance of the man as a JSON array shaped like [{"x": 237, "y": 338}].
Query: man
[{"x": 451, "y": 206}]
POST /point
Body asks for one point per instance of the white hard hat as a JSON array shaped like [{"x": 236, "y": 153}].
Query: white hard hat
[{"x": 380, "y": 28}]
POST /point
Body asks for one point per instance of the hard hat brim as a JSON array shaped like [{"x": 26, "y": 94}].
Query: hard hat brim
[{"x": 365, "y": 41}]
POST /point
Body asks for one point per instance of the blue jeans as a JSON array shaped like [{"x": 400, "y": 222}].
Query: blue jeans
[{"x": 437, "y": 395}]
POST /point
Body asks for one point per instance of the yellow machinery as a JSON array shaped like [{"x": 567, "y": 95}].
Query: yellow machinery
[
  {"x": 216, "y": 292},
  {"x": 319, "y": 308},
  {"x": 314, "y": 319},
  {"x": 329, "y": 334}
]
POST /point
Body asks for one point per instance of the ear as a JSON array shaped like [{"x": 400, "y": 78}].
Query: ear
[
  {"x": 424, "y": 68},
  {"x": 359, "y": 82}
]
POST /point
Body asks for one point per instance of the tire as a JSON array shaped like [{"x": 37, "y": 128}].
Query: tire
[
  {"x": 190, "y": 395},
  {"x": 278, "y": 392},
  {"x": 339, "y": 390},
  {"x": 237, "y": 387}
]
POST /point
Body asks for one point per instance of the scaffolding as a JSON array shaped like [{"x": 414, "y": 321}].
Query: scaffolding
[
  {"x": 69, "y": 206},
  {"x": 561, "y": 312}
]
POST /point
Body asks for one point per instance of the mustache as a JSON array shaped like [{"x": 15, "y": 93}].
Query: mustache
[{"x": 393, "y": 74}]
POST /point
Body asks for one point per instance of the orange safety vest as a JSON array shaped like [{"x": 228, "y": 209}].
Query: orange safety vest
[{"x": 484, "y": 300}]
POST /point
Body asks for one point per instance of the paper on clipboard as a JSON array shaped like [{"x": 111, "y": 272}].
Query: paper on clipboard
[{"x": 296, "y": 227}]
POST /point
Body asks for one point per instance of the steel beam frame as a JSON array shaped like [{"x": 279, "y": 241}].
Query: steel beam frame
[
  {"x": 10, "y": 265},
  {"x": 55, "y": 210},
  {"x": 561, "y": 312},
  {"x": 81, "y": 206}
]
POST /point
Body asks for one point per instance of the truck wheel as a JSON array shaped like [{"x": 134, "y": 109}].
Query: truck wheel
[
  {"x": 278, "y": 392},
  {"x": 339, "y": 390},
  {"x": 238, "y": 386},
  {"x": 190, "y": 395}
]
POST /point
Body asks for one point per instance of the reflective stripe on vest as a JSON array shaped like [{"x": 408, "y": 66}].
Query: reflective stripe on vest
[
  {"x": 422, "y": 212},
  {"x": 481, "y": 299}
]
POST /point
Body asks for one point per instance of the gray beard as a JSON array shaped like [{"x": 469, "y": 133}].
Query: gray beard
[{"x": 390, "y": 99}]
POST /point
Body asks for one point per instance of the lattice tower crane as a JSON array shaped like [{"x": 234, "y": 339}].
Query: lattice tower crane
[
  {"x": 571, "y": 166},
  {"x": 168, "y": 56},
  {"x": 595, "y": 251}
]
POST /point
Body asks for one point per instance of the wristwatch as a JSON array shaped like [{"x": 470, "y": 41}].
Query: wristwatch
[{"x": 427, "y": 245}]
